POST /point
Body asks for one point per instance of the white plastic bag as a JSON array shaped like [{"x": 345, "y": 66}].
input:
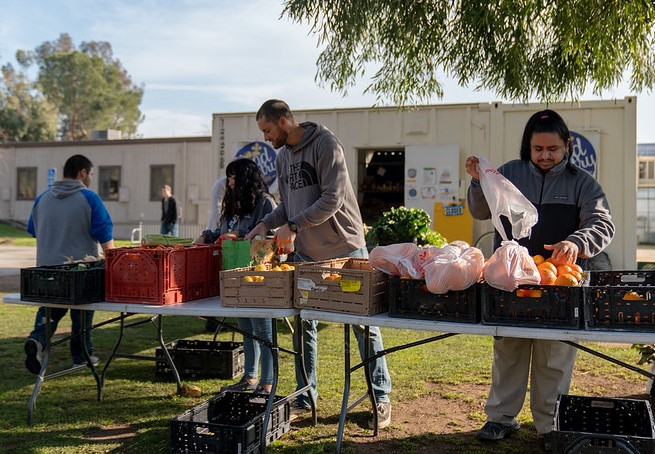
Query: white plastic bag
[
  {"x": 511, "y": 266},
  {"x": 395, "y": 259},
  {"x": 454, "y": 271},
  {"x": 505, "y": 199}
]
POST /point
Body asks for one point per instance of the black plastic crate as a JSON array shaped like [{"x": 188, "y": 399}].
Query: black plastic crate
[
  {"x": 71, "y": 283},
  {"x": 410, "y": 298},
  {"x": 602, "y": 425},
  {"x": 620, "y": 301},
  {"x": 230, "y": 422},
  {"x": 541, "y": 306},
  {"x": 198, "y": 358}
]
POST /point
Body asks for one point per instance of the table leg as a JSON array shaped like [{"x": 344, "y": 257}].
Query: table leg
[
  {"x": 121, "y": 329},
  {"x": 167, "y": 355},
  {"x": 346, "y": 387},
  {"x": 367, "y": 374},
  {"x": 44, "y": 366},
  {"x": 275, "y": 351},
  {"x": 85, "y": 348}
]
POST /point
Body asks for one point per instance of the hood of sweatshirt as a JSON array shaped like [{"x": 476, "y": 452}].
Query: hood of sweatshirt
[{"x": 64, "y": 188}]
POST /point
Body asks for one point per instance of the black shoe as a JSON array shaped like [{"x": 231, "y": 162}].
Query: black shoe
[
  {"x": 34, "y": 352},
  {"x": 548, "y": 441},
  {"x": 497, "y": 430},
  {"x": 241, "y": 385}
]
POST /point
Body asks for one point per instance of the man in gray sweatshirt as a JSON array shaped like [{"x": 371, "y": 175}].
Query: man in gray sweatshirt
[
  {"x": 319, "y": 214},
  {"x": 68, "y": 221}
]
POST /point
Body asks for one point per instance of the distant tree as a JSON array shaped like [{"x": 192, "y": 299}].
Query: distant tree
[
  {"x": 90, "y": 89},
  {"x": 25, "y": 116},
  {"x": 520, "y": 49}
]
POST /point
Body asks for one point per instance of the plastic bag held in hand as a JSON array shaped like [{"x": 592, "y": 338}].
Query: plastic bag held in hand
[
  {"x": 505, "y": 199},
  {"x": 511, "y": 266}
]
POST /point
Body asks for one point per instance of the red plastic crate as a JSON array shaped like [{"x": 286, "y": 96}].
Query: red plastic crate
[{"x": 162, "y": 275}]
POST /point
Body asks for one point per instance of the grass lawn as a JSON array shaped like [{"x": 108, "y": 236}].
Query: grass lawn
[
  {"x": 18, "y": 237},
  {"x": 69, "y": 419}
]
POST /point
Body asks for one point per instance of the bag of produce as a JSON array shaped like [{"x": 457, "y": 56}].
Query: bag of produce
[
  {"x": 455, "y": 270},
  {"x": 395, "y": 259},
  {"x": 510, "y": 266}
]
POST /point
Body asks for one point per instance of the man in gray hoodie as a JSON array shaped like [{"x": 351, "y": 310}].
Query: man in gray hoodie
[
  {"x": 68, "y": 221},
  {"x": 319, "y": 214}
]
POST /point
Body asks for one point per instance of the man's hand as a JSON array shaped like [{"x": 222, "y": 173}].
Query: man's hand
[
  {"x": 284, "y": 236},
  {"x": 563, "y": 252},
  {"x": 259, "y": 230}
]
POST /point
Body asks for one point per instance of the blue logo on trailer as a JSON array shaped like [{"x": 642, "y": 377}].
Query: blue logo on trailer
[
  {"x": 264, "y": 156},
  {"x": 584, "y": 154},
  {"x": 52, "y": 176}
]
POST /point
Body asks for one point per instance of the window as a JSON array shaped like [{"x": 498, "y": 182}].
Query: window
[
  {"x": 109, "y": 180},
  {"x": 646, "y": 172},
  {"x": 159, "y": 176},
  {"x": 25, "y": 183}
]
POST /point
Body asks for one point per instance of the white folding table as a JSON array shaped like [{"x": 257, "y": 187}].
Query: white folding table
[
  {"x": 206, "y": 307},
  {"x": 569, "y": 336}
]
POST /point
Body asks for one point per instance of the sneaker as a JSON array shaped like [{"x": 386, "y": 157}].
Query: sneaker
[
  {"x": 496, "y": 430},
  {"x": 298, "y": 412},
  {"x": 241, "y": 385},
  {"x": 548, "y": 441},
  {"x": 260, "y": 390},
  {"x": 94, "y": 360},
  {"x": 34, "y": 352},
  {"x": 384, "y": 416}
]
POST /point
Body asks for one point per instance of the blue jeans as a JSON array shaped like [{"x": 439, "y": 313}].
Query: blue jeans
[
  {"x": 254, "y": 352},
  {"x": 169, "y": 229},
  {"x": 56, "y": 314},
  {"x": 380, "y": 379}
]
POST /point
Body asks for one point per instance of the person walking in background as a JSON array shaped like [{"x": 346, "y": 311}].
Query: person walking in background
[
  {"x": 574, "y": 224},
  {"x": 245, "y": 203},
  {"x": 69, "y": 221},
  {"x": 318, "y": 213},
  {"x": 169, "y": 212}
]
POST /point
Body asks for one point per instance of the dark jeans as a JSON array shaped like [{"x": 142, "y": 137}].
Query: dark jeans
[{"x": 56, "y": 314}]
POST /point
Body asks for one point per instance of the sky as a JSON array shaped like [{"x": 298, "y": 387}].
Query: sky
[{"x": 199, "y": 57}]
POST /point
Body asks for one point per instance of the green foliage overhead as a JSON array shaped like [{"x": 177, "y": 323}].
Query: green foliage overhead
[
  {"x": 403, "y": 225},
  {"x": 520, "y": 49},
  {"x": 25, "y": 116},
  {"x": 88, "y": 87}
]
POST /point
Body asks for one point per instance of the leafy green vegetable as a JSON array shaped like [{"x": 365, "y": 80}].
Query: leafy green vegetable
[{"x": 403, "y": 225}]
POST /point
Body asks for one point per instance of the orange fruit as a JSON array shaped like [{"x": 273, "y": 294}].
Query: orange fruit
[
  {"x": 563, "y": 269},
  {"x": 534, "y": 293},
  {"x": 566, "y": 279},
  {"x": 576, "y": 275},
  {"x": 548, "y": 265},
  {"x": 559, "y": 262},
  {"x": 576, "y": 267},
  {"x": 522, "y": 293},
  {"x": 538, "y": 259},
  {"x": 547, "y": 276},
  {"x": 633, "y": 296}
]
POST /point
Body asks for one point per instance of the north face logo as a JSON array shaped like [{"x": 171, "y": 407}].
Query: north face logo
[{"x": 301, "y": 175}]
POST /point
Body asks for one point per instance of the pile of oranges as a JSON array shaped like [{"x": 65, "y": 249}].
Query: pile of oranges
[{"x": 558, "y": 273}]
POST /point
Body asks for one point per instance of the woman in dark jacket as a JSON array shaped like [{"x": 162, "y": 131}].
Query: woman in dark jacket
[{"x": 245, "y": 203}]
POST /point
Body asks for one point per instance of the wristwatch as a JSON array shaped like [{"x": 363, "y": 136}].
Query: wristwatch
[{"x": 292, "y": 226}]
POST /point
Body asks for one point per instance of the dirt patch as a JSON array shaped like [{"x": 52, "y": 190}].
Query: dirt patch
[{"x": 447, "y": 420}]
